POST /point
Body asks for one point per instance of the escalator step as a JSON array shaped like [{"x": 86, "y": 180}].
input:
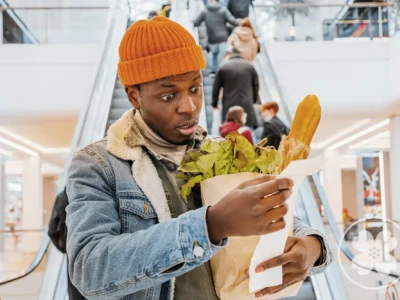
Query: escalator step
[
  {"x": 121, "y": 103},
  {"x": 116, "y": 113},
  {"x": 119, "y": 93}
]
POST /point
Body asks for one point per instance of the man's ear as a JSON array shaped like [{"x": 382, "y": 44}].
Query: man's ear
[{"x": 133, "y": 96}]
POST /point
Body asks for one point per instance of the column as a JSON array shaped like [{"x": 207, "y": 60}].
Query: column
[
  {"x": 32, "y": 209},
  {"x": 394, "y": 214},
  {"x": 333, "y": 184},
  {"x": 2, "y": 199}
]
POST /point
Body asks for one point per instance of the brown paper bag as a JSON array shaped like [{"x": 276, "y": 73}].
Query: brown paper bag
[{"x": 229, "y": 265}]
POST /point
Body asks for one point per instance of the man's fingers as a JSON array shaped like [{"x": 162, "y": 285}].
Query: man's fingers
[
  {"x": 274, "y": 262},
  {"x": 275, "y": 226},
  {"x": 270, "y": 187},
  {"x": 257, "y": 181},
  {"x": 276, "y": 199},
  {"x": 276, "y": 214},
  {"x": 290, "y": 268},
  {"x": 288, "y": 280},
  {"x": 290, "y": 242},
  {"x": 269, "y": 290}
]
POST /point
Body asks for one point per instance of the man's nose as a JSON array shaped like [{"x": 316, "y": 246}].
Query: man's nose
[{"x": 187, "y": 105}]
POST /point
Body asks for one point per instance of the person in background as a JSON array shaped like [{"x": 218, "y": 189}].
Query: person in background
[
  {"x": 58, "y": 234},
  {"x": 235, "y": 121},
  {"x": 274, "y": 128},
  {"x": 244, "y": 40},
  {"x": 152, "y": 14},
  {"x": 239, "y": 81},
  {"x": 215, "y": 16},
  {"x": 240, "y": 8},
  {"x": 165, "y": 10}
]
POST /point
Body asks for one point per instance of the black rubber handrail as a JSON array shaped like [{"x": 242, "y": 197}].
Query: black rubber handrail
[{"x": 36, "y": 261}]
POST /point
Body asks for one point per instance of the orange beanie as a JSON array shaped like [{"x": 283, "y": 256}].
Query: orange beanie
[{"x": 157, "y": 48}]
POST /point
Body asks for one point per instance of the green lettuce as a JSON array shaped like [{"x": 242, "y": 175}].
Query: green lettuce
[{"x": 232, "y": 155}]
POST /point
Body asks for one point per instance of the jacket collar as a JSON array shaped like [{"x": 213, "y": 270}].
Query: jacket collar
[{"x": 125, "y": 142}]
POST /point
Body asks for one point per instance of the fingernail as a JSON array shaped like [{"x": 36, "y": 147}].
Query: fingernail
[
  {"x": 259, "y": 269},
  {"x": 258, "y": 295}
]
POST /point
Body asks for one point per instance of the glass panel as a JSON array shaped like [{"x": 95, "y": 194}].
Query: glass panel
[
  {"x": 317, "y": 22},
  {"x": 52, "y": 25}
]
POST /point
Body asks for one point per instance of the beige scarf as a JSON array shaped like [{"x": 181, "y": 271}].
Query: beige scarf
[{"x": 157, "y": 144}]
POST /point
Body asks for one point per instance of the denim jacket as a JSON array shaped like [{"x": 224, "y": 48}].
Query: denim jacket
[{"x": 122, "y": 242}]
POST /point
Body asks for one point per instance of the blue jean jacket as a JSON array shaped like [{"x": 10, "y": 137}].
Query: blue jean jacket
[{"x": 122, "y": 242}]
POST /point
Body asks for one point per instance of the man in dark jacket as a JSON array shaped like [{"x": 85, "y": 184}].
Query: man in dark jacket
[
  {"x": 239, "y": 8},
  {"x": 274, "y": 128},
  {"x": 215, "y": 16},
  {"x": 58, "y": 235},
  {"x": 239, "y": 80}
]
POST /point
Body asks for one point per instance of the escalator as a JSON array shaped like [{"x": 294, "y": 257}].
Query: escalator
[
  {"x": 331, "y": 283},
  {"x": 108, "y": 101}
]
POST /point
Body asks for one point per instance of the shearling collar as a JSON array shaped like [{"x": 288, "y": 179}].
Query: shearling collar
[{"x": 124, "y": 138}]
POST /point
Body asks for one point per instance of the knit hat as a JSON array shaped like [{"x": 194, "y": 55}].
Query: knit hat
[{"x": 157, "y": 48}]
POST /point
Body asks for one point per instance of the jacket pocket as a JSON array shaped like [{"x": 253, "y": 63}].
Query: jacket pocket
[{"x": 136, "y": 213}]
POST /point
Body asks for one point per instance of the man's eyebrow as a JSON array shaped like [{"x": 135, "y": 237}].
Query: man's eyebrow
[
  {"x": 198, "y": 77},
  {"x": 166, "y": 85}
]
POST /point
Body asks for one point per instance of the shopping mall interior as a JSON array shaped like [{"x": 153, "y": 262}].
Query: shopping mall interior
[{"x": 59, "y": 92}]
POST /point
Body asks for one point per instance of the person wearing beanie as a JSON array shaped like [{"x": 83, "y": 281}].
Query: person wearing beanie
[{"x": 130, "y": 233}]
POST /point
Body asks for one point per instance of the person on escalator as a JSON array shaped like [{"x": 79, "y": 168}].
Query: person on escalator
[
  {"x": 274, "y": 128},
  {"x": 235, "y": 121},
  {"x": 240, "y": 8},
  {"x": 130, "y": 233},
  {"x": 58, "y": 234},
  {"x": 239, "y": 81},
  {"x": 244, "y": 40},
  {"x": 216, "y": 17}
]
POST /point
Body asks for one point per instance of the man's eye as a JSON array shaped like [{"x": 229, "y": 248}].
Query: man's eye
[
  {"x": 196, "y": 89},
  {"x": 168, "y": 97}
]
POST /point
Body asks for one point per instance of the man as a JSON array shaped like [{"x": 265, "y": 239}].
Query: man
[
  {"x": 165, "y": 10},
  {"x": 215, "y": 17},
  {"x": 130, "y": 234},
  {"x": 274, "y": 128},
  {"x": 239, "y": 81},
  {"x": 240, "y": 8}
]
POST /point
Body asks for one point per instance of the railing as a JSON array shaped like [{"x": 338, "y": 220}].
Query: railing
[
  {"x": 325, "y": 21},
  {"x": 53, "y": 24},
  {"x": 40, "y": 254}
]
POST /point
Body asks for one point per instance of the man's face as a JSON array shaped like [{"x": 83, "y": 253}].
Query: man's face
[{"x": 171, "y": 106}]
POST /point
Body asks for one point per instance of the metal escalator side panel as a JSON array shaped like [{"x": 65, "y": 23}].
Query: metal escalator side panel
[{"x": 328, "y": 285}]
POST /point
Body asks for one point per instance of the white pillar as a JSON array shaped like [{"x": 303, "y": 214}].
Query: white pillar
[
  {"x": 333, "y": 184},
  {"x": 395, "y": 175},
  {"x": 32, "y": 209},
  {"x": 2, "y": 198}
]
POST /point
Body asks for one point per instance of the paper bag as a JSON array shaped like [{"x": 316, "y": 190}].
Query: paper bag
[{"x": 229, "y": 265}]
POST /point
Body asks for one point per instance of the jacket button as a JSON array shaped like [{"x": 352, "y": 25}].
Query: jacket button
[
  {"x": 198, "y": 251},
  {"x": 171, "y": 166}
]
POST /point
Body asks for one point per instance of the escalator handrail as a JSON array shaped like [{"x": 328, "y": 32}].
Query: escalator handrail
[
  {"x": 76, "y": 143},
  {"x": 36, "y": 261},
  {"x": 11, "y": 12}
]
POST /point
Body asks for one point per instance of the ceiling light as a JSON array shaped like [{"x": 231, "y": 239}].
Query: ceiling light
[
  {"x": 32, "y": 144},
  {"x": 340, "y": 134},
  {"x": 17, "y": 146},
  {"x": 359, "y": 134}
]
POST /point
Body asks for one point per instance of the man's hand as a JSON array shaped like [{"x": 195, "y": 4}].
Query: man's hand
[
  {"x": 255, "y": 207},
  {"x": 299, "y": 257}
]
